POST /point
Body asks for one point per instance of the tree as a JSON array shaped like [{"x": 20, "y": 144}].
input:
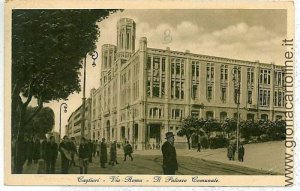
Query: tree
[
  {"x": 211, "y": 125},
  {"x": 188, "y": 127},
  {"x": 42, "y": 123},
  {"x": 47, "y": 47},
  {"x": 229, "y": 126}
]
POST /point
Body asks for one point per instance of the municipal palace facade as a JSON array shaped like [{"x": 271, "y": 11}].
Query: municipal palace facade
[{"x": 145, "y": 92}]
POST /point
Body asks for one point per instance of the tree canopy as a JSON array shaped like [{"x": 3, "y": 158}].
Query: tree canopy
[
  {"x": 42, "y": 123},
  {"x": 47, "y": 47}
]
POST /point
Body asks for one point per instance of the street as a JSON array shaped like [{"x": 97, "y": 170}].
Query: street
[
  {"x": 260, "y": 158},
  {"x": 151, "y": 164}
]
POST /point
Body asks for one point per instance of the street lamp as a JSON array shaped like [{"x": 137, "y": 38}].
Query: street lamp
[
  {"x": 133, "y": 130},
  {"x": 65, "y": 110},
  {"x": 236, "y": 71},
  {"x": 94, "y": 57}
]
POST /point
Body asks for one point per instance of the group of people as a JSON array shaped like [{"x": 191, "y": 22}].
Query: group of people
[
  {"x": 231, "y": 149},
  {"x": 87, "y": 149},
  {"x": 48, "y": 151}
]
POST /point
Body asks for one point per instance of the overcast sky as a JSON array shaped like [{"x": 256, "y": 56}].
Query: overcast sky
[{"x": 241, "y": 34}]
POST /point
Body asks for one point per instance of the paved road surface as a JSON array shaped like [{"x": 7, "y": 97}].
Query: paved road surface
[{"x": 151, "y": 164}]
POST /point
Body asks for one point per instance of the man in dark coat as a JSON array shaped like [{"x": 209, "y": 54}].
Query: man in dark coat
[
  {"x": 29, "y": 150},
  {"x": 170, "y": 164},
  {"x": 128, "y": 151},
  {"x": 113, "y": 153},
  {"x": 74, "y": 151},
  {"x": 103, "y": 153},
  {"x": 51, "y": 152},
  {"x": 65, "y": 150},
  {"x": 230, "y": 152},
  {"x": 43, "y": 148},
  {"x": 36, "y": 150},
  {"x": 199, "y": 147},
  {"x": 241, "y": 153},
  {"x": 90, "y": 145},
  {"x": 84, "y": 155}
]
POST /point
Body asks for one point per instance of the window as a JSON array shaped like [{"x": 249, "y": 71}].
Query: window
[
  {"x": 250, "y": 116},
  {"x": 163, "y": 64},
  {"x": 223, "y": 116},
  {"x": 265, "y": 76},
  {"x": 195, "y": 93},
  {"x": 249, "y": 97},
  {"x": 264, "y": 117},
  {"x": 278, "y": 117},
  {"x": 209, "y": 93},
  {"x": 155, "y": 112},
  {"x": 209, "y": 115},
  {"x": 210, "y": 72},
  {"x": 250, "y": 76},
  {"x": 223, "y": 94},
  {"x": 149, "y": 63},
  {"x": 224, "y": 72},
  {"x": 176, "y": 113},
  {"x": 195, "y": 113},
  {"x": 278, "y": 78}
]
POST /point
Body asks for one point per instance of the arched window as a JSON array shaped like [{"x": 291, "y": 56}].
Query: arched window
[
  {"x": 264, "y": 117},
  {"x": 209, "y": 115},
  {"x": 223, "y": 116}
]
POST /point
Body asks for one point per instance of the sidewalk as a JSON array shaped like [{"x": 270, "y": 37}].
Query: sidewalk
[{"x": 269, "y": 156}]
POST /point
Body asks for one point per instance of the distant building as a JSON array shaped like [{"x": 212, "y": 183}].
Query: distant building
[
  {"x": 73, "y": 128},
  {"x": 145, "y": 93}
]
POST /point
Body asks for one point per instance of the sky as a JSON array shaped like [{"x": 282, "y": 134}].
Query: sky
[{"x": 240, "y": 34}]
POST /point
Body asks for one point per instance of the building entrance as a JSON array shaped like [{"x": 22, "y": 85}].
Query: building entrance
[{"x": 155, "y": 136}]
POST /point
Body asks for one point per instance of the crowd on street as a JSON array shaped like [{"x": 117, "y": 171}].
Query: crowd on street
[{"x": 45, "y": 153}]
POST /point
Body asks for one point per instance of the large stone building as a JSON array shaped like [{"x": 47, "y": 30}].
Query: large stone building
[
  {"x": 73, "y": 128},
  {"x": 145, "y": 92}
]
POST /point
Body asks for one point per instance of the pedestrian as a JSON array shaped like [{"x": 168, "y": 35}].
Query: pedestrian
[
  {"x": 230, "y": 152},
  {"x": 29, "y": 150},
  {"x": 170, "y": 164},
  {"x": 128, "y": 151},
  {"x": 51, "y": 152},
  {"x": 74, "y": 151},
  {"x": 233, "y": 151},
  {"x": 103, "y": 153},
  {"x": 90, "y": 146},
  {"x": 83, "y": 156},
  {"x": 94, "y": 148},
  {"x": 199, "y": 147},
  {"x": 43, "y": 148},
  {"x": 97, "y": 147},
  {"x": 65, "y": 152},
  {"x": 241, "y": 153},
  {"x": 36, "y": 150},
  {"x": 113, "y": 153},
  {"x": 19, "y": 156}
]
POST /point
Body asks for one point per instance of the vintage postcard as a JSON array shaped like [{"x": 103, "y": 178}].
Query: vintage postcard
[{"x": 178, "y": 93}]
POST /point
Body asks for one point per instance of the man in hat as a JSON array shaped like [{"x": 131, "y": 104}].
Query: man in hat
[
  {"x": 83, "y": 153},
  {"x": 65, "y": 150},
  {"x": 103, "y": 153},
  {"x": 170, "y": 164}
]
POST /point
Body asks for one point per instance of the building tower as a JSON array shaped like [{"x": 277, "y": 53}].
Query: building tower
[
  {"x": 125, "y": 38},
  {"x": 108, "y": 59}
]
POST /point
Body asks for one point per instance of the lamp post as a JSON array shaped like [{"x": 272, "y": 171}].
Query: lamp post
[
  {"x": 94, "y": 57},
  {"x": 65, "y": 110},
  {"x": 133, "y": 130},
  {"x": 237, "y": 86}
]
